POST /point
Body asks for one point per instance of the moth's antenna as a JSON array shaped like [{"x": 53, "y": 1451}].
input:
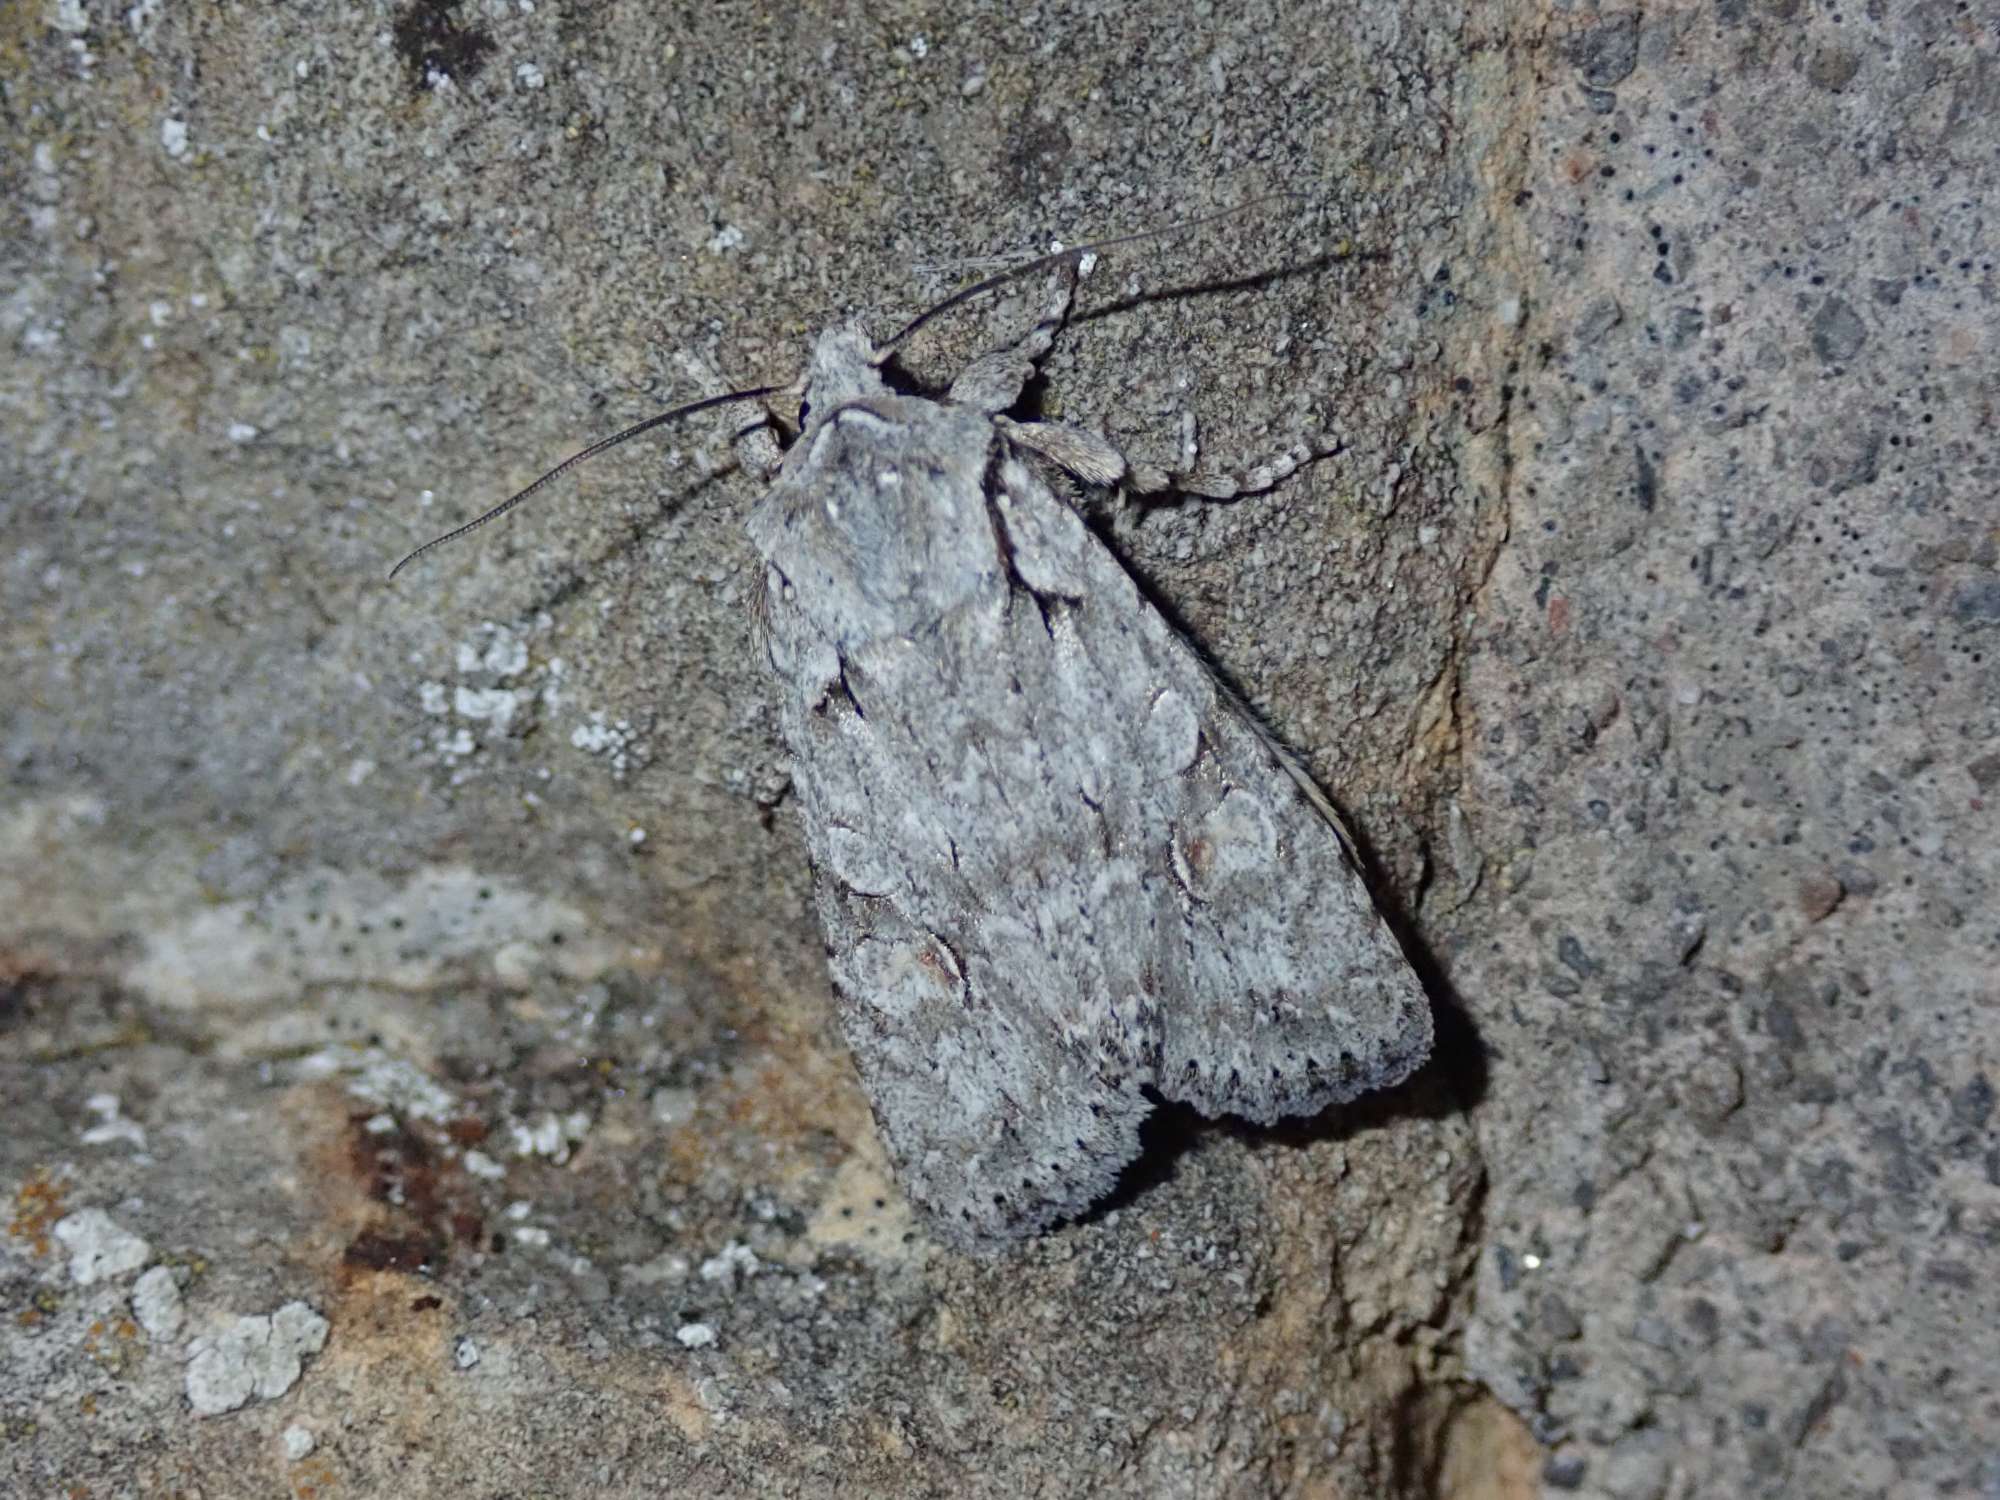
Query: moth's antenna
[
  {"x": 635, "y": 430},
  {"x": 1074, "y": 253}
]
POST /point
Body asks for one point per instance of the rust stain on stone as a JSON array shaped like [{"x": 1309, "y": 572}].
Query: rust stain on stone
[
  {"x": 424, "y": 1205},
  {"x": 412, "y": 1254},
  {"x": 38, "y": 1204}
]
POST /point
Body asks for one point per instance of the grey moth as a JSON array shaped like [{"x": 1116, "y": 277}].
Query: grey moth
[{"x": 1062, "y": 873}]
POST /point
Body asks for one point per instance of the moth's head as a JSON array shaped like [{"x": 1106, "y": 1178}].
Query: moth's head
[{"x": 845, "y": 367}]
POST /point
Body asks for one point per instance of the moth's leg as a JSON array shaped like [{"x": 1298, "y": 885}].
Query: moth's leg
[
  {"x": 1093, "y": 458},
  {"x": 1088, "y": 455},
  {"x": 1190, "y": 478},
  {"x": 993, "y": 382}
]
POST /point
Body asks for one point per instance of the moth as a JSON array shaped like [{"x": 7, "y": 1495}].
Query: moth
[{"x": 1062, "y": 872}]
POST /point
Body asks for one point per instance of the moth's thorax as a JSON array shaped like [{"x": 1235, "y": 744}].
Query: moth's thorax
[
  {"x": 843, "y": 369},
  {"x": 880, "y": 522}
]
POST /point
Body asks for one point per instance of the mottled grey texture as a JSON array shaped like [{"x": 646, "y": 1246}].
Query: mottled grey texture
[
  {"x": 334, "y": 969},
  {"x": 1056, "y": 865}
]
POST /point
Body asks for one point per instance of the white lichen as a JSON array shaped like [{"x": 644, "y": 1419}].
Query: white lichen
[
  {"x": 98, "y": 1249},
  {"x": 259, "y": 1357}
]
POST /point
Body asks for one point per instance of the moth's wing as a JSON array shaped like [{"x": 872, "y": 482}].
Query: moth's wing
[
  {"x": 956, "y": 902},
  {"x": 1299, "y": 994},
  {"x": 1282, "y": 990},
  {"x": 996, "y": 1126}
]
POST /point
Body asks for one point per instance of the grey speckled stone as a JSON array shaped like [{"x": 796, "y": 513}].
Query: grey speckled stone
[
  {"x": 1608, "y": 51},
  {"x": 1738, "y": 1160},
  {"x": 347, "y": 935}
]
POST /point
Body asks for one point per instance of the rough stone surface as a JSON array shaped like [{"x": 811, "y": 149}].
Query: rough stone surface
[{"x": 439, "y": 959}]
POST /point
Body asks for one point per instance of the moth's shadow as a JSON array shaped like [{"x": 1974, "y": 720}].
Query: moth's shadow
[
  {"x": 909, "y": 370},
  {"x": 574, "y": 576},
  {"x": 1222, "y": 287},
  {"x": 1452, "y": 1080}
]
